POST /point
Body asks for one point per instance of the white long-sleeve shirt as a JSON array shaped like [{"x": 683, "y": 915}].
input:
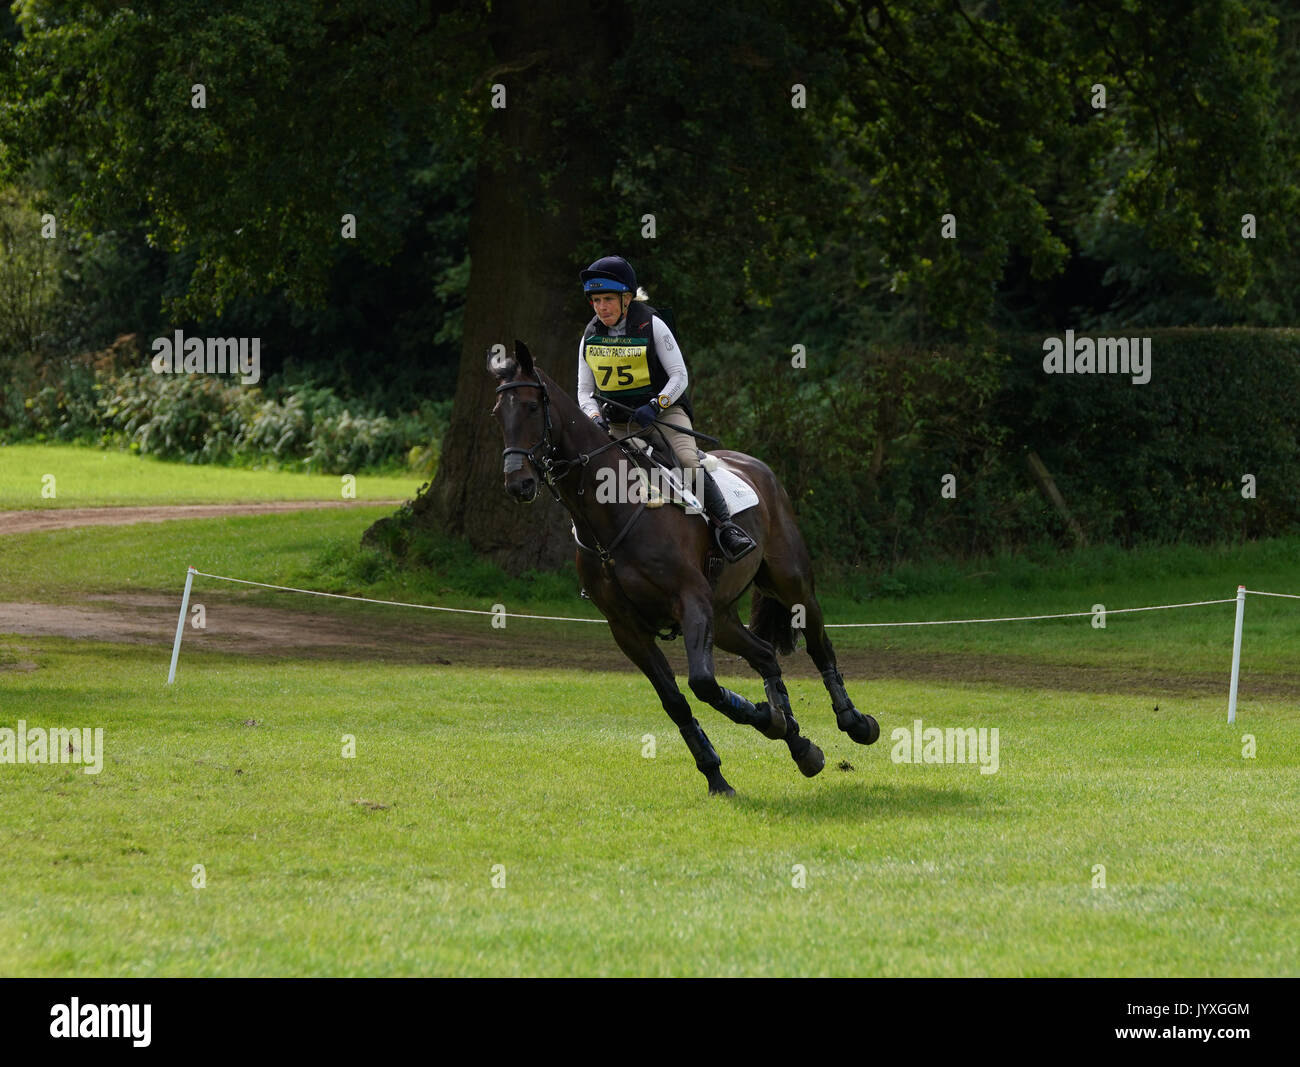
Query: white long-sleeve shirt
[{"x": 666, "y": 348}]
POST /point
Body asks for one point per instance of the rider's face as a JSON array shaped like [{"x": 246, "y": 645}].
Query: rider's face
[{"x": 608, "y": 307}]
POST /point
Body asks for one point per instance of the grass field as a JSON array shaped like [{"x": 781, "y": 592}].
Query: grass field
[
  {"x": 615, "y": 863},
  {"x": 89, "y": 477},
  {"x": 611, "y": 862}
]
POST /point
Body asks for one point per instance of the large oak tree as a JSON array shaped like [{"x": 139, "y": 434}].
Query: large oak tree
[{"x": 616, "y": 111}]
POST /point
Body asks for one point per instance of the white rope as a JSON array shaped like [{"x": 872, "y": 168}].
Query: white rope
[
  {"x": 1027, "y": 618},
  {"x": 829, "y": 625},
  {"x": 1256, "y": 592},
  {"x": 395, "y": 603}
]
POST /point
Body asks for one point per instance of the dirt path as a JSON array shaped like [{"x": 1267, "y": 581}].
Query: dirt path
[
  {"x": 258, "y": 626},
  {"x": 15, "y": 522},
  {"x": 263, "y": 625}
]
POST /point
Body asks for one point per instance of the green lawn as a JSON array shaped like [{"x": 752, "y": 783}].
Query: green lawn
[
  {"x": 613, "y": 863},
  {"x": 88, "y": 477},
  {"x": 617, "y": 864}
]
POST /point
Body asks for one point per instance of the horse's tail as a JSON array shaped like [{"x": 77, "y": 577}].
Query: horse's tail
[{"x": 771, "y": 621}]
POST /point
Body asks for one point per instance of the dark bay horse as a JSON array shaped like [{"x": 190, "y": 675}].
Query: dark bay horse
[{"x": 647, "y": 570}]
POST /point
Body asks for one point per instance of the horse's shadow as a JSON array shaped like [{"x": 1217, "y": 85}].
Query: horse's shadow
[{"x": 850, "y": 800}]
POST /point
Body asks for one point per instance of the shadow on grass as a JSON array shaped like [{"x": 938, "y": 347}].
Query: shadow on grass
[{"x": 858, "y": 800}]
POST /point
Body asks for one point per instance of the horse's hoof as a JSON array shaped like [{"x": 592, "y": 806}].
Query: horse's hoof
[
  {"x": 718, "y": 786},
  {"x": 776, "y": 724},
  {"x": 811, "y": 762},
  {"x": 865, "y": 730}
]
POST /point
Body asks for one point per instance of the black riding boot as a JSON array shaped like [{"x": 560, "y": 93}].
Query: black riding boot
[{"x": 734, "y": 542}]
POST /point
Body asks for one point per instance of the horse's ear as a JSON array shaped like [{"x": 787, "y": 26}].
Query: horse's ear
[
  {"x": 524, "y": 357},
  {"x": 500, "y": 364}
]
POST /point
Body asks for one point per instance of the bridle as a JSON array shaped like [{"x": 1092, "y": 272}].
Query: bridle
[
  {"x": 542, "y": 457},
  {"x": 542, "y": 454}
]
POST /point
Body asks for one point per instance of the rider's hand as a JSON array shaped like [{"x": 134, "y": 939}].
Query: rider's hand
[
  {"x": 646, "y": 415},
  {"x": 603, "y": 423}
]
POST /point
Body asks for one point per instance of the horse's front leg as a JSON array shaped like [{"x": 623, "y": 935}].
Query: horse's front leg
[{"x": 641, "y": 649}]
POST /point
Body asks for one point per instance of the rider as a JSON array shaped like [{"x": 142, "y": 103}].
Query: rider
[{"x": 628, "y": 355}]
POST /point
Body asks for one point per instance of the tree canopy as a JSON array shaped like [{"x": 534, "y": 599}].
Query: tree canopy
[{"x": 835, "y": 174}]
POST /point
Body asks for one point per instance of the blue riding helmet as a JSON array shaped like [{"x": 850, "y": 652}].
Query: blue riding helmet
[{"x": 611, "y": 274}]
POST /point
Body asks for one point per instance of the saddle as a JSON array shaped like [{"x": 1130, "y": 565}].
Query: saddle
[
  {"x": 664, "y": 483},
  {"x": 661, "y": 484}
]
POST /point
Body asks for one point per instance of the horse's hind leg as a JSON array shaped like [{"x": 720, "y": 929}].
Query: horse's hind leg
[
  {"x": 641, "y": 649},
  {"x": 760, "y": 655},
  {"x": 793, "y": 587},
  {"x": 861, "y": 728}
]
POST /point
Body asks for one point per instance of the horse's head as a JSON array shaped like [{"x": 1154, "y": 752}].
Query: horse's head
[{"x": 524, "y": 412}]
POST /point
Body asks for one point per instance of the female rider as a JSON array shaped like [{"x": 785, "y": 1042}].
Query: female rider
[{"x": 629, "y": 355}]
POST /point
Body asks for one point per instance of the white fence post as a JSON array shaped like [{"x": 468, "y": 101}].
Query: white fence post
[
  {"x": 185, "y": 607},
  {"x": 1236, "y": 654}
]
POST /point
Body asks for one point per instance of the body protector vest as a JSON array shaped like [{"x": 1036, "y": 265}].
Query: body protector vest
[{"x": 626, "y": 369}]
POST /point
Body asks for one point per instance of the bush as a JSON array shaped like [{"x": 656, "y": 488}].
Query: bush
[
  {"x": 864, "y": 442},
  {"x": 213, "y": 419}
]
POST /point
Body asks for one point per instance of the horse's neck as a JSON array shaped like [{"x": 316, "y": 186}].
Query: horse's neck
[
  {"x": 579, "y": 435},
  {"x": 575, "y": 433}
]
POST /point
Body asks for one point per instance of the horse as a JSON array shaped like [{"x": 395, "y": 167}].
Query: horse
[{"x": 648, "y": 570}]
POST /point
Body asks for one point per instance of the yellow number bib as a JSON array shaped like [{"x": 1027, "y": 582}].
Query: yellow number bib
[{"x": 618, "y": 363}]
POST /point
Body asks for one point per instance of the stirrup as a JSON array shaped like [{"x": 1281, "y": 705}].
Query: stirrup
[{"x": 731, "y": 557}]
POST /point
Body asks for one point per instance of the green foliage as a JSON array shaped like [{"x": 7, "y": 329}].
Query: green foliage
[
  {"x": 188, "y": 416},
  {"x": 30, "y": 266},
  {"x": 204, "y": 419},
  {"x": 312, "y": 110},
  {"x": 65, "y": 409},
  {"x": 861, "y": 446},
  {"x": 863, "y": 441},
  {"x": 987, "y": 114},
  {"x": 914, "y": 110},
  {"x": 1165, "y": 461},
  {"x": 213, "y": 419}
]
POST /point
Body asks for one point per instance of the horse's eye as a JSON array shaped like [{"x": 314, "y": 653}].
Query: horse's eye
[{"x": 532, "y": 408}]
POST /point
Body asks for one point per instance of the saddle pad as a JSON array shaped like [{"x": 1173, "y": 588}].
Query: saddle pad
[
  {"x": 660, "y": 486},
  {"x": 740, "y": 497}
]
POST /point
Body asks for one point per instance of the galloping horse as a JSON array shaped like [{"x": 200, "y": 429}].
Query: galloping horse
[{"x": 649, "y": 570}]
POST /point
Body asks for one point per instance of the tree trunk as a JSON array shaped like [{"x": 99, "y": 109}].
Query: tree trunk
[{"x": 523, "y": 283}]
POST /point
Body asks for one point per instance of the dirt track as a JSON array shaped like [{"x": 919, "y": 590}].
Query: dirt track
[
  {"x": 257, "y": 626},
  {"x": 293, "y": 626},
  {"x": 14, "y": 522}
]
